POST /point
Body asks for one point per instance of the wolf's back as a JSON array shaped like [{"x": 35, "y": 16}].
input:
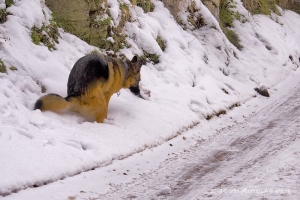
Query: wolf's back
[
  {"x": 85, "y": 72},
  {"x": 52, "y": 102}
]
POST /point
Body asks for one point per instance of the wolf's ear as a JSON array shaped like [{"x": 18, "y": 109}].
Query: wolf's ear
[{"x": 134, "y": 59}]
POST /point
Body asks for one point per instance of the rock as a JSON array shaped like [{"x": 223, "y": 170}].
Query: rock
[
  {"x": 258, "y": 6},
  {"x": 166, "y": 190},
  {"x": 213, "y": 6},
  {"x": 79, "y": 17},
  {"x": 262, "y": 90}
]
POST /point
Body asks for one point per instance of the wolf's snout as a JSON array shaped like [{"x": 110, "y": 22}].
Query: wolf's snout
[{"x": 135, "y": 90}]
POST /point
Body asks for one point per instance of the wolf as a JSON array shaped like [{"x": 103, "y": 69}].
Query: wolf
[{"x": 93, "y": 79}]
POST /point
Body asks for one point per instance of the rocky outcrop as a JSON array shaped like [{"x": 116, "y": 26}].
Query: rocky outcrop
[
  {"x": 263, "y": 7},
  {"x": 213, "y": 6},
  {"x": 255, "y": 5},
  {"x": 174, "y": 6},
  {"x": 91, "y": 21},
  {"x": 82, "y": 18},
  {"x": 293, "y": 5},
  {"x": 289, "y": 4}
]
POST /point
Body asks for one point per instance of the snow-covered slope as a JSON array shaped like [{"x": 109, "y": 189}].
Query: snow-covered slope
[{"x": 199, "y": 74}]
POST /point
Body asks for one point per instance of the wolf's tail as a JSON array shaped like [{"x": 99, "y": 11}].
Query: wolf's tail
[{"x": 52, "y": 102}]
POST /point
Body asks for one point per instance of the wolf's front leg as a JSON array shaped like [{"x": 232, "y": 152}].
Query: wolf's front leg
[
  {"x": 102, "y": 109},
  {"x": 100, "y": 115}
]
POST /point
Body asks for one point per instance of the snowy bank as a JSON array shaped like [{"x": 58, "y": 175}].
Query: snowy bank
[{"x": 200, "y": 74}]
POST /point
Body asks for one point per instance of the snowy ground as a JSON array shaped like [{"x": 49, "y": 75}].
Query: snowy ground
[
  {"x": 258, "y": 158},
  {"x": 250, "y": 153},
  {"x": 200, "y": 73}
]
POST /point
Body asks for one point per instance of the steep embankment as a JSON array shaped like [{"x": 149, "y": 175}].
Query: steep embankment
[{"x": 196, "y": 74}]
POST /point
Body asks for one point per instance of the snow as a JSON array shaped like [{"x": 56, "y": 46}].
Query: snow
[
  {"x": 114, "y": 10},
  {"x": 155, "y": 169},
  {"x": 165, "y": 190},
  {"x": 184, "y": 88}
]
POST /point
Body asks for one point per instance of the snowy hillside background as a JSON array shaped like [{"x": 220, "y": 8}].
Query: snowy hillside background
[{"x": 200, "y": 74}]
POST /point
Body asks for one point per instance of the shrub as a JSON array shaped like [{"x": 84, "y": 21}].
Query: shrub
[
  {"x": 13, "y": 68},
  {"x": 48, "y": 35},
  {"x": 234, "y": 39},
  {"x": 146, "y": 5},
  {"x": 3, "y": 15},
  {"x": 260, "y": 6},
  {"x": 9, "y": 3},
  {"x": 227, "y": 17},
  {"x": 151, "y": 57},
  {"x": 161, "y": 43},
  {"x": 2, "y": 67}
]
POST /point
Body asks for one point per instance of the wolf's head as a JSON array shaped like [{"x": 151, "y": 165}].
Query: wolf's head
[{"x": 134, "y": 75}]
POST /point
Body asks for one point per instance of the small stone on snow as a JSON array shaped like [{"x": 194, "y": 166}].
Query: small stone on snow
[{"x": 166, "y": 190}]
